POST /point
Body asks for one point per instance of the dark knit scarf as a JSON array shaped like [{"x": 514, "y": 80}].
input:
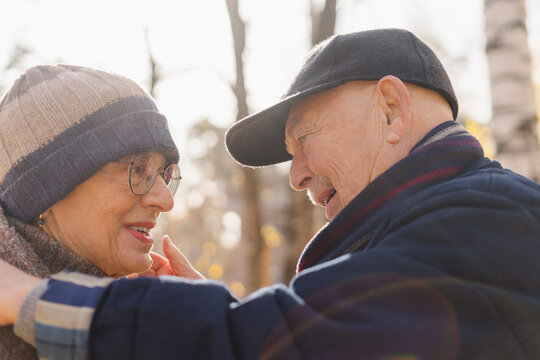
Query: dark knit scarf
[
  {"x": 438, "y": 157},
  {"x": 32, "y": 250}
]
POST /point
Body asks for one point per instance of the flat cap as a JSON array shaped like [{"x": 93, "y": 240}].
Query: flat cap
[{"x": 259, "y": 139}]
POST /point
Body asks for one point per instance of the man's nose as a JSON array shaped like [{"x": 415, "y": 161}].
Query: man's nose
[{"x": 299, "y": 174}]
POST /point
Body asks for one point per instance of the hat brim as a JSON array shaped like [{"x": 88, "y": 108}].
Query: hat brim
[{"x": 259, "y": 139}]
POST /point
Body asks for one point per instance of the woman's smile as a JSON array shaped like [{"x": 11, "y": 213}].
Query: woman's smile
[{"x": 141, "y": 231}]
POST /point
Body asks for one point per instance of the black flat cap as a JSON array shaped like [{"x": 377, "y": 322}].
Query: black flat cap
[{"x": 259, "y": 139}]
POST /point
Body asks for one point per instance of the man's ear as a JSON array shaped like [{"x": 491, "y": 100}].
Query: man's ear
[{"x": 394, "y": 101}]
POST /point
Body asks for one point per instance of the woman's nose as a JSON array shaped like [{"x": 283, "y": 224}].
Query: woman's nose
[{"x": 158, "y": 196}]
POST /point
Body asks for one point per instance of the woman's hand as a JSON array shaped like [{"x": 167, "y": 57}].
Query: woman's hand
[
  {"x": 175, "y": 263},
  {"x": 15, "y": 285}
]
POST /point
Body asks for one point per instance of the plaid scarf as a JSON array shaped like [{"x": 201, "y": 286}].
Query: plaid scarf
[{"x": 438, "y": 157}]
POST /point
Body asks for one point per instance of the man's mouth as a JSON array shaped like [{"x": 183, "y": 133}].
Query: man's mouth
[{"x": 327, "y": 200}]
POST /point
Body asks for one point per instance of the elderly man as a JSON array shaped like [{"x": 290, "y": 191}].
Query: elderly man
[{"x": 431, "y": 251}]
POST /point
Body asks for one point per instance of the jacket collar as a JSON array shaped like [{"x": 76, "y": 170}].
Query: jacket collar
[{"x": 438, "y": 157}]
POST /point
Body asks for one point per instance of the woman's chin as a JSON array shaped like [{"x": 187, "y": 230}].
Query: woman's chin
[
  {"x": 142, "y": 265},
  {"x": 136, "y": 264}
]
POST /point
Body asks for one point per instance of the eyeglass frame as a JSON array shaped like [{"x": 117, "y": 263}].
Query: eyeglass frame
[{"x": 162, "y": 170}]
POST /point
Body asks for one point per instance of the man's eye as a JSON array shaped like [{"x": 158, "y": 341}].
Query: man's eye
[{"x": 302, "y": 139}]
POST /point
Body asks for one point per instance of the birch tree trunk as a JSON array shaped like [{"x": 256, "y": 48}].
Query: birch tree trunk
[
  {"x": 251, "y": 218},
  {"x": 514, "y": 118}
]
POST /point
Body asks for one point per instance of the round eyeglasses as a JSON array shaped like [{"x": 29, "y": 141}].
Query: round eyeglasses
[{"x": 143, "y": 169}]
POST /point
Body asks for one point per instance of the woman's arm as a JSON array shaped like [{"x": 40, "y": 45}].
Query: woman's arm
[{"x": 15, "y": 285}]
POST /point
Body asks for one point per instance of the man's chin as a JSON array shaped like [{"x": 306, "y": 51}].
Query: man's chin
[
  {"x": 332, "y": 209},
  {"x": 329, "y": 215}
]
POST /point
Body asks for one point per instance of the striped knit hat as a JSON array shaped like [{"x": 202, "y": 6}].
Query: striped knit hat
[{"x": 59, "y": 124}]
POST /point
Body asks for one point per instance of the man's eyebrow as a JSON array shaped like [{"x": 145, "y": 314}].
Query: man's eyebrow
[
  {"x": 288, "y": 149},
  {"x": 290, "y": 126}
]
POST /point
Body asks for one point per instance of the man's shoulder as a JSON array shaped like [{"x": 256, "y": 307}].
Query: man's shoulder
[
  {"x": 488, "y": 178},
  {"x": 486, "y": 194}
]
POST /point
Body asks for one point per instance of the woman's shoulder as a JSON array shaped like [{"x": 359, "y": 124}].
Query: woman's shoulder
[{"x": 17, "y": 251}]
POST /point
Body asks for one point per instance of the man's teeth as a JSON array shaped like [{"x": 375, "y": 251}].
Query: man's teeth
[
  {"x": 140, "y": 229},
  {"x": 329, "y": 197}
]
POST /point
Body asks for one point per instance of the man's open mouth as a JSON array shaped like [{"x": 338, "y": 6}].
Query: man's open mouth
[{"x": 327, "y": 200}]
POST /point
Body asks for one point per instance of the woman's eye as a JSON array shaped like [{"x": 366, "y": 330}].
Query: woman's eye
[
  {"x": 161, "y": 172},
  {"x": 137, "y": 170}
]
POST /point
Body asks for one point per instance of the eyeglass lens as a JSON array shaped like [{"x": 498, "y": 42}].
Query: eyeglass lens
[{"x": 143, "y": 171}]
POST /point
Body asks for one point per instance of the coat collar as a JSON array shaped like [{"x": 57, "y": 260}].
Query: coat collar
[{"x": 438, "y": 157}]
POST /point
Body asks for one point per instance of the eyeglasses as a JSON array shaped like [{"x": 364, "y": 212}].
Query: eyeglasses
[{"x": 143, "y": 169}]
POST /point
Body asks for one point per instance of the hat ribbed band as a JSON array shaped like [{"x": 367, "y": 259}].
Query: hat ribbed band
[{"x": 44, "y": 177}]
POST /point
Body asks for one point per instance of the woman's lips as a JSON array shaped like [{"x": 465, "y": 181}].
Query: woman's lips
[
  {"x": 141, "y": 231},
  {"x": 145, "y": 238}
]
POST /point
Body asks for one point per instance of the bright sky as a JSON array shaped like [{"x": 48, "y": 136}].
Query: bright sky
[{"x": 192, "y": 42}]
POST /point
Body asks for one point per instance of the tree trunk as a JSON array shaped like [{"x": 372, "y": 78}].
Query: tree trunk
[
  {"x": 323, "y": 21},
  {"x": 251, "y": 219},
  {"x": 514, "y": 118},
  {"x": 306, "y": 219}
]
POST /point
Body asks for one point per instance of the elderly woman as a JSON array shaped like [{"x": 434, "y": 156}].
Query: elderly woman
[{"x": 87, "y": 165}]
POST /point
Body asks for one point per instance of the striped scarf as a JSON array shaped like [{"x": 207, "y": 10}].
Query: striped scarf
[{"x": 438, "y": 157}]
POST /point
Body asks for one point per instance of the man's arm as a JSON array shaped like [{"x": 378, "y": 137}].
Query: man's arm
[
  {"x": 336, "y": 313},
  {"x": 428, "y": 285}
]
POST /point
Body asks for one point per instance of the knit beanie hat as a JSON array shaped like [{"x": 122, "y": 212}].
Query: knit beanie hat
[{"x": 59, "y": 124}]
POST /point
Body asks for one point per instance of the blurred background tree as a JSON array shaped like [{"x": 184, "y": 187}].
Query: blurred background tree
[
  {"x": 251, "y": 212},
  {"x": 514, "y": 118},
  {"x": 306, "y": 219},
  {"x": 15, "y": 61}
]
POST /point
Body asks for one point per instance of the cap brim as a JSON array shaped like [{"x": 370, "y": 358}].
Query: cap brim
[{"x": 259, "y": 139}]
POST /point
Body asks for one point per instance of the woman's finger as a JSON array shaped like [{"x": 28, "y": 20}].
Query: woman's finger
[
  {"x": 178, "y": 262},
  {"x": 158, "y": 261},
  {"x": 160, "y": 265}
]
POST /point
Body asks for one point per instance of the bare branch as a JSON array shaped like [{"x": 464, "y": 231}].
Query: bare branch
[{"x": 155, "y": 69}]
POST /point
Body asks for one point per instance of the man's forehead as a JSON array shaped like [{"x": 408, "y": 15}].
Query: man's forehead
[
  {"x": 293, "y": 120},
  {"x": 296, "y": 119},
  {"x": 290, "y": 125},
  {"x": 296, "y": 113}
]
